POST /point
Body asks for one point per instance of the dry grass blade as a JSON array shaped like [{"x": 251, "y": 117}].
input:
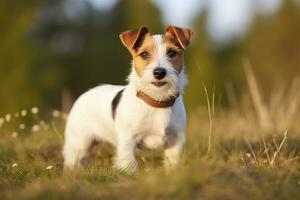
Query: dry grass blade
[
  {"x": 252, "y": 151},
  {"x": 274, "y": 142},
  {"x": 293, "y": 101},
  {"x": 266, "y": 149},
  {"x": 262, "y": 112},
  {"x": 279, "y": 148},
  {"x": 56, "y": 131},
  {"x": 211, "y": 111}
]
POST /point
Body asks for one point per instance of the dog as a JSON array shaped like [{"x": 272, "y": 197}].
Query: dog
[{"x": 149, "y": 110}]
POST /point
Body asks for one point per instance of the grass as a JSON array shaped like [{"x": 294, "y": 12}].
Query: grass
[{"x": 229, "y": 154}]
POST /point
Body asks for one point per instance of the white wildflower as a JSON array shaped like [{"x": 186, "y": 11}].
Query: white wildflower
[
  {"x": 14, "y": 165},
  {"x": 42, "y": 123},
  {"x": 23, "y": 113},
  {"x": 248, "y": 155},
  {"x": 17, "y": 115},
  {"x": 35, "y": 128},
  {"x": 49, "y": 167},
  {"x": 22, "y": 126},
  {"x": 7, "y": 117},
  {"x": 1, "y": 120},
  {"x": 14, "y": 134},
  {"x": 55, "y": 113},
  {"x": 34, "y": 110}
]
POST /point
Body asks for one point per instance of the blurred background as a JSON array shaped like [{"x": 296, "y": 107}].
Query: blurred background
[{"x": 51, "y": 51}]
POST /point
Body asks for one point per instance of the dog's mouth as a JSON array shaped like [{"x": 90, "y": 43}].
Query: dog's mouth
[{"x": 158, "y": 83}]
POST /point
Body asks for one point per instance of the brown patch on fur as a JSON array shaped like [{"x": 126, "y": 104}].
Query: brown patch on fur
[
  {"x": 171, "y": 43},
  {"x": 139, "y": 40},
  {"x": 133, "y": 38},
  {"x": 148, "y": 46},
  {"x": 182, "y": 35}
]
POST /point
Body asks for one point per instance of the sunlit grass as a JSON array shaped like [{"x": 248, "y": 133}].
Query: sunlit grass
[{"x": 237, "y": 158}]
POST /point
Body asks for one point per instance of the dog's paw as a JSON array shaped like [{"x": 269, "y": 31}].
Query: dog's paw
[{"x": 153, "y": 142}]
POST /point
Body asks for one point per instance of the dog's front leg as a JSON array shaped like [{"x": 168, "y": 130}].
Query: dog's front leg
[
  {"x": 125, "y": 157},
  {"x": 173, "y": 150}
]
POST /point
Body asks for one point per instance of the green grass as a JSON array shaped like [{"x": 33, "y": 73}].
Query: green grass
[{"x": 238, "y": 165}]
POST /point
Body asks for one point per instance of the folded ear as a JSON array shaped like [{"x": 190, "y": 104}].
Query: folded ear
[
  {"x": 133, "y": 38},
  {"x": 182, "y": 35}
]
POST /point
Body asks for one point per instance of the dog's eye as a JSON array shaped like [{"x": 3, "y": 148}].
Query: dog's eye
[
  {"x": 171, "y": 53},
  {"x": 144, "y": 55}
]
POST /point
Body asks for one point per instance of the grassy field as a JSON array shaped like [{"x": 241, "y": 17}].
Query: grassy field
[{"x": 247, "y": 151}]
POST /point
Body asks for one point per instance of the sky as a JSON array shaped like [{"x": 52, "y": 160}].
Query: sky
[{"x": 226, "y": 20}]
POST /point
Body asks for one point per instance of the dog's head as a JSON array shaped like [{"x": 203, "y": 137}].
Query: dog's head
[{"x": 158, "y": 60}]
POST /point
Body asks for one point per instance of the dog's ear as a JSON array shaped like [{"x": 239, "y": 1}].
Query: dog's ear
[
  {"x": 182, "y": 35},
  {"x": 132, "y": 39}
]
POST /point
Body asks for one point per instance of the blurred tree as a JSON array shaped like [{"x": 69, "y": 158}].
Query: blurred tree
[
  {"x": 273, "y": 46},
  {"x": 16, "y": 56},
  {"x": 198, "y": 63},
  {"x": 130, "y": 14},
  {"x": 211, "y": 66},
  {"x": 50, "y": 45},
  {"x": 82, "y": 43}
]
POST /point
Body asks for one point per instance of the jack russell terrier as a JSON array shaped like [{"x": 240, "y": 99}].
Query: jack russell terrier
[{"x": 149, "y": 110}]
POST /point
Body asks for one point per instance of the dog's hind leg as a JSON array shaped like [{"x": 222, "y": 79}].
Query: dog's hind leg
[{"x": 75, "y": 148}]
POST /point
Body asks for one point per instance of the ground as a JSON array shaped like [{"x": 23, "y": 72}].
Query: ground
[{"x": 230, "y": 153}]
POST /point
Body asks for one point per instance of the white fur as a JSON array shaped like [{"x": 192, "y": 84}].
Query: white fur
[{"x": 135, "y": 122}]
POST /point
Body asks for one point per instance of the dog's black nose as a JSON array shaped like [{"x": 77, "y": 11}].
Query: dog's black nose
[{"x": 159, "y": 73}]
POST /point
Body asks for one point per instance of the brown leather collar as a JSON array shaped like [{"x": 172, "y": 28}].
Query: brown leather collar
[{"x": 157, "y": 104}]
